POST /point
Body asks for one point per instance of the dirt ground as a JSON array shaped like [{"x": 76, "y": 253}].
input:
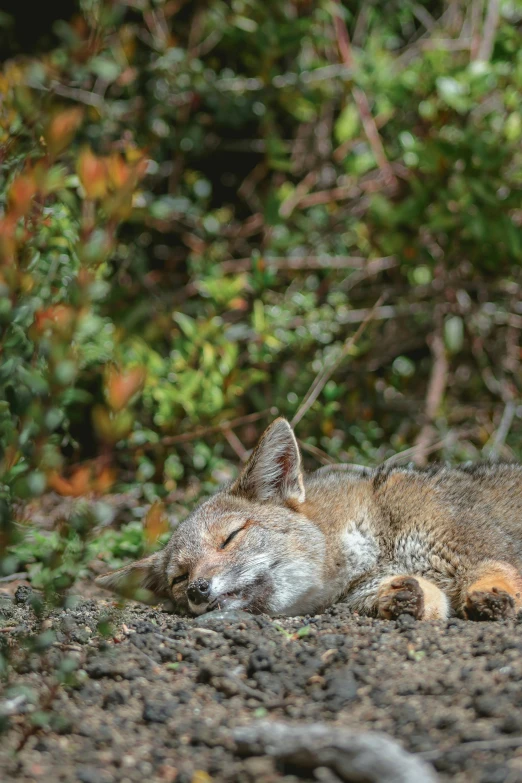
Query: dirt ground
[{"x": 160, "y": 697}]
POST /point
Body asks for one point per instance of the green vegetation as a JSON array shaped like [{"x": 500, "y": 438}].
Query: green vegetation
[{"x": 200, "y": 204}]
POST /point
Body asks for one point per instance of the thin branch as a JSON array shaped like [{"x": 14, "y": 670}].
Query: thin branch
[
  {"x": 363, "y": 106},
  {"x": 373, "y": 267},
  {"x": 500, "y": 743},
  {"x": 490, "y": 28},
  {"x": 236, "y": 445},
  {"x": 301, "y": 190},
  {"x": 434, "y": 395},
  {"x": 475, "y": 16},
  {"x": 361, "y": 23},
  {"x": 326, "y": 373},
  {"x": 423, "y": 16},
  {"x": 310, "y": 262},
  {"x": 502, "y": 432},
  {"x": 74, "y": 93},
  {"x": 320, "y": 455},
  {"x": 199, "y": 432}
]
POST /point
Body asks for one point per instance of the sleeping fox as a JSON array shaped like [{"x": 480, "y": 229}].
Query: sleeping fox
[{"x": 385, "y": 541}]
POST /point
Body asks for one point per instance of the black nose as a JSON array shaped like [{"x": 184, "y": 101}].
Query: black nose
[{"x": 198, "y": 591}]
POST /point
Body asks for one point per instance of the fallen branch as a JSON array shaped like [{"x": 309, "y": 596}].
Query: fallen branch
[
  {"x": 351, "y": 755},
  {"x": 500, "y": 743},
  {"x": 359, "y": 96},
  {"x": 14, "y": 577},
  {"x": 325, "y": 374}
]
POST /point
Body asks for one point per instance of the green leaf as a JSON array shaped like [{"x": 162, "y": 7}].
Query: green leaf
[{"x": 347, "y": 124}]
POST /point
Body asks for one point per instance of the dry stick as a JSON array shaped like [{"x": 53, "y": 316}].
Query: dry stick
[
  {"x": 325, "y": 374},
  {"x": 490, "y": 29},
  {"x": 434, "y": 395},
  {"x": 495, "y": 744},
  {"x": 361, "y": 100},
  {"x": 14, "y": 577},
  {"x": 199, "y": 432}
]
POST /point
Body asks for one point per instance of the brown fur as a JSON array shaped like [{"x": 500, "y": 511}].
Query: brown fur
[{"x": 385, "y": 541}]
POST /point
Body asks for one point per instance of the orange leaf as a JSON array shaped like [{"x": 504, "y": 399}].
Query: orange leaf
[
  {"x": 155, "y": 523},
  {"x": 58, "y": 316},
  {"x": 122, "y": 386},
  {"x": 77, "y": 485},
  {"x": 119, "y": 172},
  {"x": 93, "y": 174},
  {"x": 21, "y": 193},
  {"x": 104, "y": 480},
  {"x": 61, "y": 129}
]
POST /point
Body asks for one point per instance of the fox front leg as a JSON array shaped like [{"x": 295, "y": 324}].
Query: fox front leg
[
  {"x": 491, "y": 591},
  {"x": 390, "y": 596},
  {"x": 412, "y": 595}
]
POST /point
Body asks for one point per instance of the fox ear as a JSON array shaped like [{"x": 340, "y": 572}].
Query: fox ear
[
  {"x": 143, "y": 580},
  {"x": 273, "y": 472}
]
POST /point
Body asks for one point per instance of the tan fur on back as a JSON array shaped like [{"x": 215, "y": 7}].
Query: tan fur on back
[{"x": 282, "y": 542}]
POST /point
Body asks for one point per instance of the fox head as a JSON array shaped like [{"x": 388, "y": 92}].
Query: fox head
[{"x": 247, "y": 547}]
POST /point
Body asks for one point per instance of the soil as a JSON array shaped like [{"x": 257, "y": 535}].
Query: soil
[{"x": 158, "y": 698}]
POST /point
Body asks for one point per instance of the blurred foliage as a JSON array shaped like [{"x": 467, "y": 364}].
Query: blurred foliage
[{"x": 193, "y": 221}]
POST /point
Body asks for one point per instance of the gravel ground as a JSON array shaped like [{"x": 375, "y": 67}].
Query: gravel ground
[{"x": 161, "y": 697}]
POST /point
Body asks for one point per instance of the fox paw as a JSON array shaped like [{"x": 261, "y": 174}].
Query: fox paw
[
  {"x": 401, "y": 596},
  {"x": 491, "y": 604}
]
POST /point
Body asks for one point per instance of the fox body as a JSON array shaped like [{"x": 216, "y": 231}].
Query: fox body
[{"x": 385, "y": 541}]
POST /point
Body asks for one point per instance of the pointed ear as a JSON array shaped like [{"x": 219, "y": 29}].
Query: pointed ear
[
  {"x": 273, "y": 472},
  {"x": 143, "y": 580}
]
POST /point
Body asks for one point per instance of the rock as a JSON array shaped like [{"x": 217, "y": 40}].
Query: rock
[
  {"x": 351, "y": 755},
  {"x": 219, "y": 618}
]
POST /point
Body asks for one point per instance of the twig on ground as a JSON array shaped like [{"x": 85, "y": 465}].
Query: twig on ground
[
  {"x": 326, "y": 372},
  {"x": 435, "y": 392},
  {"x": 14, "y": 577},
  {"x": 500, "y": 743},
  {"x": 361, "y": 100},
  {"x": 485, "y": 49}
]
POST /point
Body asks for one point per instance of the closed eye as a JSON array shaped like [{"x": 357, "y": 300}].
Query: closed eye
[
  {"x": 231, "y": 537},
  {"x": 178, "y": 580}
]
